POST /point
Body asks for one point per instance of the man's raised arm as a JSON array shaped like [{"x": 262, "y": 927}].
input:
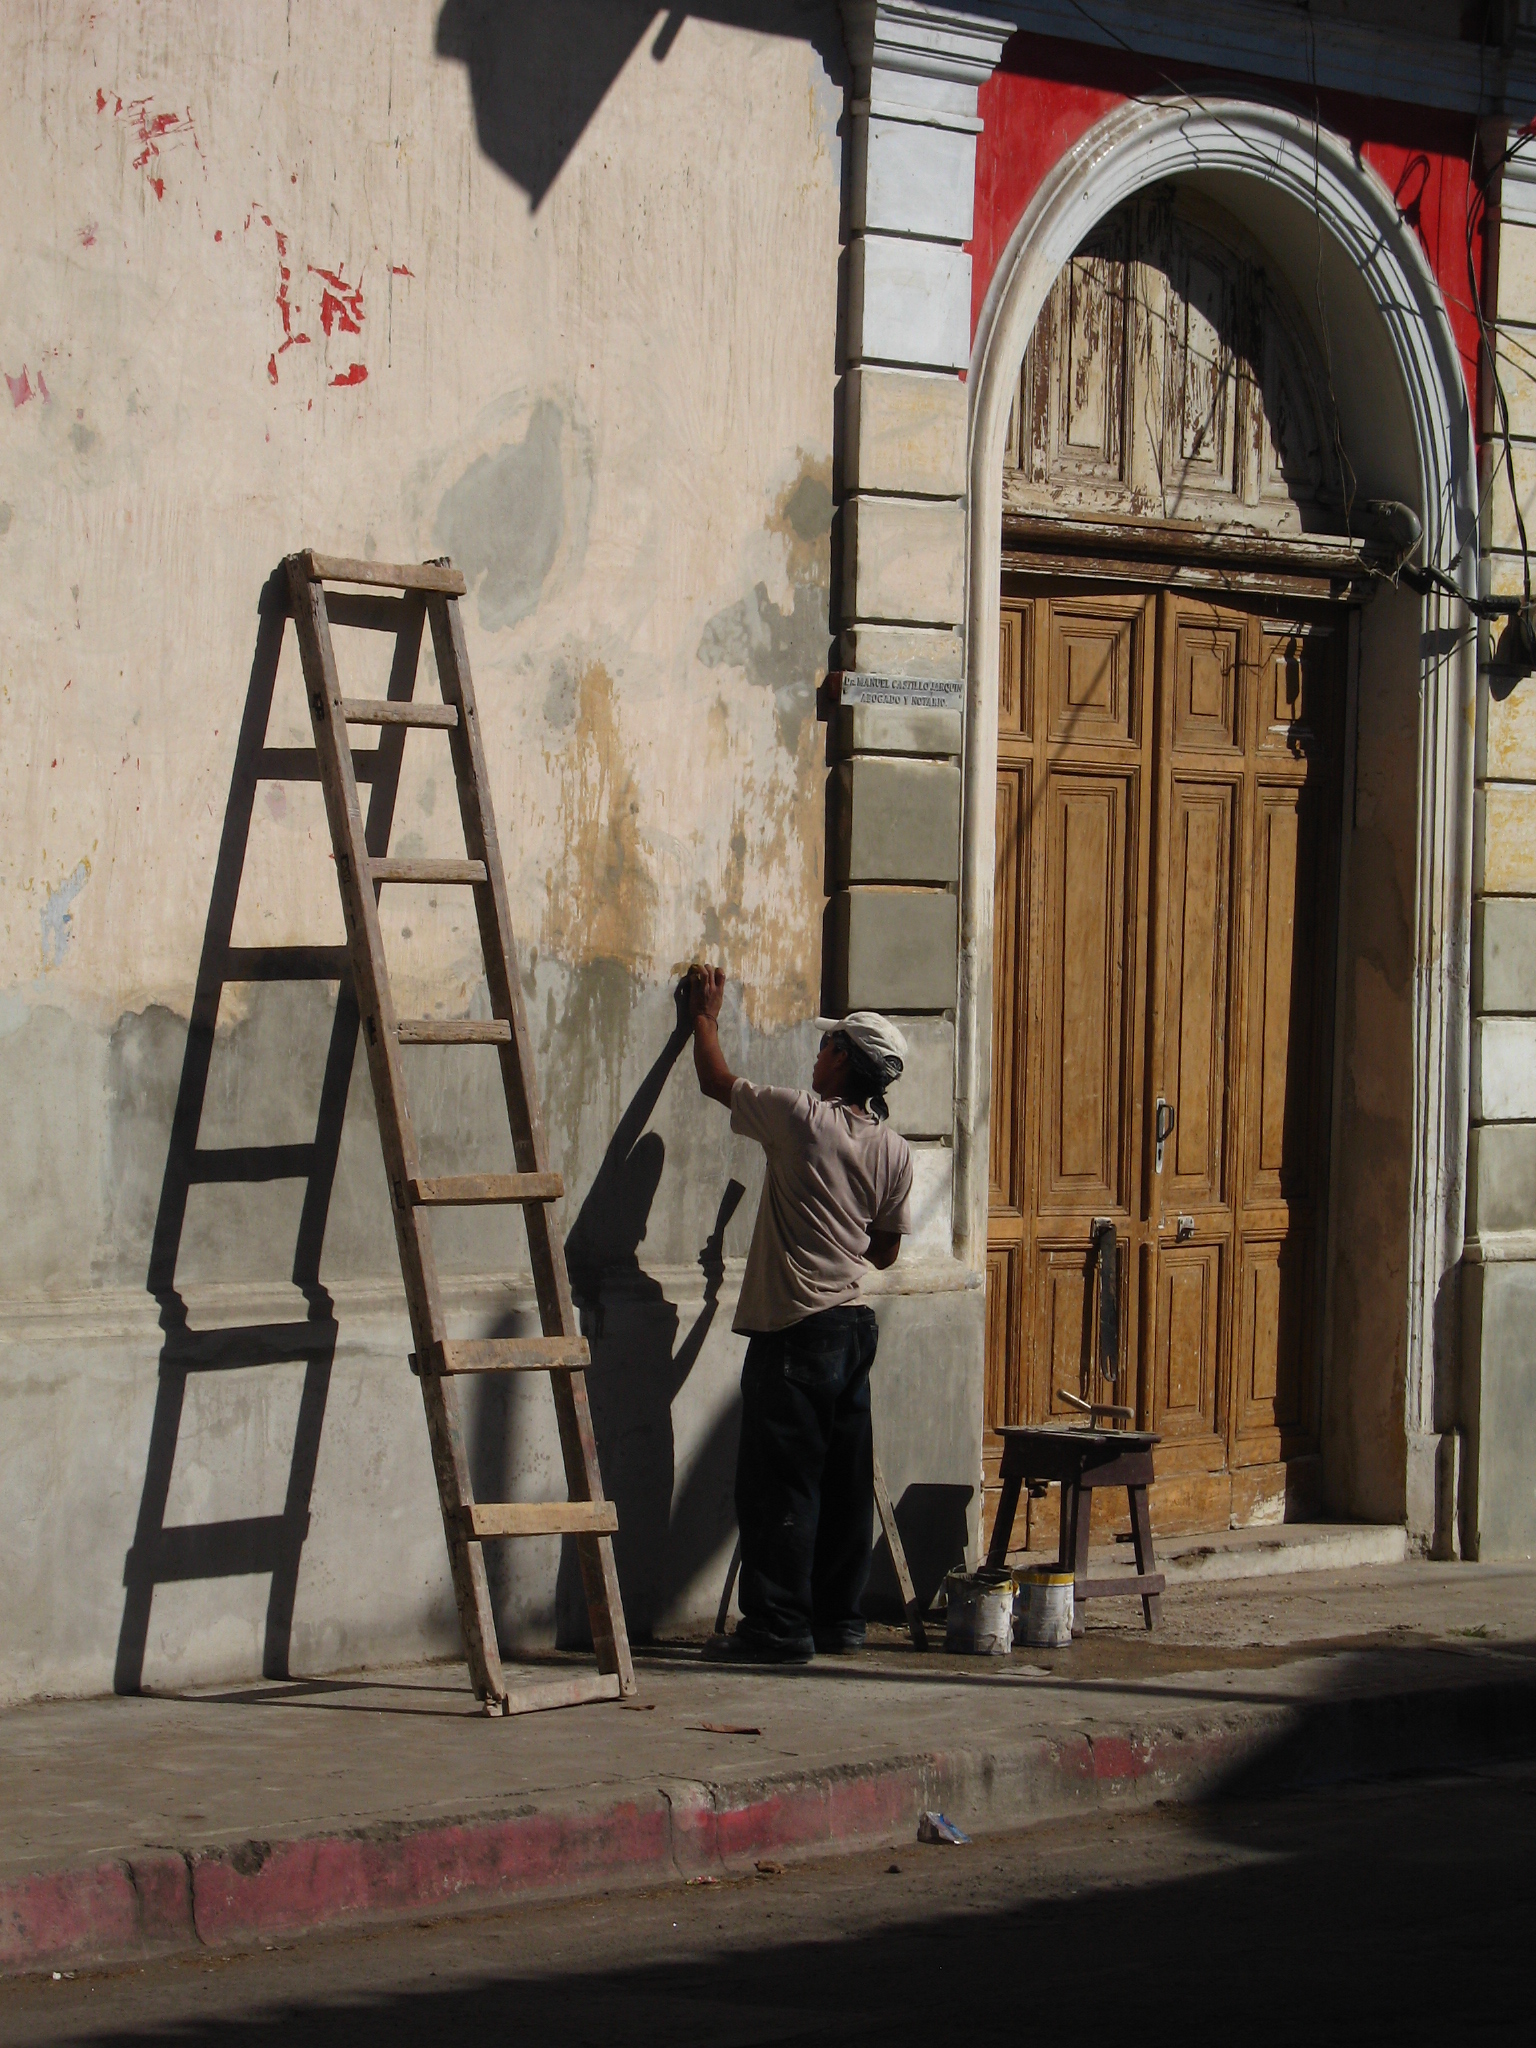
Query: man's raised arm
[{"x": 706, "y": 992}]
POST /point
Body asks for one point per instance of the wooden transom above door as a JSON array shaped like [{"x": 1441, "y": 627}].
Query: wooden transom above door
[
  {"x": 1168, "y": 799},
  {"x": 1171, "y": 377}
]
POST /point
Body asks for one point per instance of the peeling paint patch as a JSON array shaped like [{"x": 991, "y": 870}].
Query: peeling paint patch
[
  {"x": 57, "y": 917},
  {"x": 785, "y": 650},
  {"x": 504, "y": 519},
  {"x": 601, "y": 897},
  {"x": 150, "y": 130},
  {"x": 341, "y": 304}
]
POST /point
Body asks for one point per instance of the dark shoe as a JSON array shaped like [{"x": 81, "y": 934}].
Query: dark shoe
[
  {"x": 838, "y": 1642},
  {"x": 746, "y": 1646}
]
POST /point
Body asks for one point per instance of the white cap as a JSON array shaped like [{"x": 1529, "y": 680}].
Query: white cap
[{"x": 874, "y": 1036}]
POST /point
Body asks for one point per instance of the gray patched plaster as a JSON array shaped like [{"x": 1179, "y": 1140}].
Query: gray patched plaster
[
  {"x": 57, "y": 917},
  {"x": 504, "y": 519},
  {"x": 784, "y": 651}
]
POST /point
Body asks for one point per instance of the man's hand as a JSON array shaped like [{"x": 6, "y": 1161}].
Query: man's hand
[{"x": 706, "y": 992}]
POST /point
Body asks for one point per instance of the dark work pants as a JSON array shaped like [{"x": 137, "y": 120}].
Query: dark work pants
[{"x": 805, "y": 1488}]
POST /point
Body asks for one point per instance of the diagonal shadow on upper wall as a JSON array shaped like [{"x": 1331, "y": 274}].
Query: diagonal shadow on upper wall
[{"x": 539, "y": 71}]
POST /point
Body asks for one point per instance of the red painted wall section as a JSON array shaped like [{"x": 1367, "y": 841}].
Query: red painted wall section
[{"x": 1046, "y": 95}]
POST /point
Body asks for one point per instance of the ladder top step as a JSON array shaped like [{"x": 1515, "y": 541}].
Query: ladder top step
[
  {"x": 392, "y": 870},
  {"x": 397, "y": 711},
  {"x": 509, "y": 1354},
  {"x": 466, "y": 1190},
  {"x": 453, "y": 1031},
  {"x": 436, "y": 576},
  {"x": 479, "y": 1519}
]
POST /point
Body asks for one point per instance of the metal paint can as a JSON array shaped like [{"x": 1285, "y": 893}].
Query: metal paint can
[
  {"x": 978, "y": 1617},
  {"x": 1045, "y": 1608}
]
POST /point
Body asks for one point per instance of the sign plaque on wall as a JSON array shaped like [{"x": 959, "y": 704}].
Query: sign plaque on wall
[{"x": 900, "y": 693}]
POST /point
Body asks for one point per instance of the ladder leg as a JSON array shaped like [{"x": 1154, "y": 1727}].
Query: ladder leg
[
  {"x": 599, "y": 1574},
  {"x": 471, "y": 1590}
]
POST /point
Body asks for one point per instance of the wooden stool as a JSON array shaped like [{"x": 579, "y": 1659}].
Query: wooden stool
[{"x": 1078, "y": 1460}]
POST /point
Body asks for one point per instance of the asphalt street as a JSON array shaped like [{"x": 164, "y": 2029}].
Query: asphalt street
[{"x": 1388, "y": 1912}]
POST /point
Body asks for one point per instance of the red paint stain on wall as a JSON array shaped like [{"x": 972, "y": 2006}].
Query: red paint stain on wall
[
  {"x": 20, "y": 387},
  {"x": 401, "y": 270},
  {"x": 150, "y": 130},
  {"x": 341, "y": 309},
  {"x": 341, "y": 304},
  {"x": 1047, "y": 94}
]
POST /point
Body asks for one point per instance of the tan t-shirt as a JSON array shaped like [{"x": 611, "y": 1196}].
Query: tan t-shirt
[{"x": 834, "y": 1174}]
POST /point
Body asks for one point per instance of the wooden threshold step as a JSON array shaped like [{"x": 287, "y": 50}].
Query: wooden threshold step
[
  {"x": 507, "y": 1354},
  {"x": 467, "y": 1190},
  {"x": 453, "y": 1031},
  {"x": 479, "y": 1519}
]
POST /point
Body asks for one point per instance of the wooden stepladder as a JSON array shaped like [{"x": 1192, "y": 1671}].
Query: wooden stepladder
[{"x": 429, "y": 595}]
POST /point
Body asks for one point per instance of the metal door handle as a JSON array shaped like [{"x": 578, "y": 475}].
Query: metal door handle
[{"x": 1162, "y": 1129}]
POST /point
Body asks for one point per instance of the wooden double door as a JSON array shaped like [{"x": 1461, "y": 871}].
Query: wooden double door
[{"x": 1168, "y": 803}]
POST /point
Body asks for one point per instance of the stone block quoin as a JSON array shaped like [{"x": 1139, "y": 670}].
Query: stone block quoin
[{"x": 894, "y": 797}]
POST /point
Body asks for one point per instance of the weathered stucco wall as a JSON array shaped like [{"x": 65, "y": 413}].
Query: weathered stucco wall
[{"x": 553, "y": 291}]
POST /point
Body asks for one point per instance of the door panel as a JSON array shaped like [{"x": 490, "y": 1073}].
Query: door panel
[
  {"x": 1207, "y": 672},
  {"x": 1009, "y": 951},
  {"x": 1167, "y": 848},
  {"x": 1282, "y": 991},
  {"x": 1183, "y": 1376},
  {"x": 1273, "y": 1348},
  {"x": 1068, "y": 967},
  {"x": 1085, "y": 921},
  {"x": 1091, "y": 681},
  {"x": 1197, "y": 989}
]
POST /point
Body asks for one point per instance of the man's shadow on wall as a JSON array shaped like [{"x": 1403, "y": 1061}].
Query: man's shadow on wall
[{"x": 638, "y": 1369}]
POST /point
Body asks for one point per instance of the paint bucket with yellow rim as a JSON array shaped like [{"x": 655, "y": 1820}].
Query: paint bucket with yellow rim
[{"x": 1043, "y": 1613}]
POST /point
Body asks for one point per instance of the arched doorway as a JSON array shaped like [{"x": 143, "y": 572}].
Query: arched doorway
[
  {"x": 1172, "y": 679},
  {"x": 1388, "y": 1248}
]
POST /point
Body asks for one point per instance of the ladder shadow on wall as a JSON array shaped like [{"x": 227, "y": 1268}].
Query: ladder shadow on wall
[{"x": 163, "y": 1554}]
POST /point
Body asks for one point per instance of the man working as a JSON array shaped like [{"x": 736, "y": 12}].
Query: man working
[{"x": 835, "y": 1198}]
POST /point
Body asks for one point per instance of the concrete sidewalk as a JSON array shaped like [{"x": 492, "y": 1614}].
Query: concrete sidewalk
[{"x": 135, "y": 1826}]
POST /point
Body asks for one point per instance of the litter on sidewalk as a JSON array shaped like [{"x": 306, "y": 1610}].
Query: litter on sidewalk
[{"x": 933, "y": 1827}]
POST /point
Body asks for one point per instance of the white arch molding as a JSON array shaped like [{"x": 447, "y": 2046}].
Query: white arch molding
[{"x": 1138, "y": 145}]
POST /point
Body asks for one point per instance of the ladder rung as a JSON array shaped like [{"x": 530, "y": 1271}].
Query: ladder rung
[
  {"x": 396, "y": 711},
  {"x": 561, "y": 1692},
  {"x": 509, "y": 1354},
  {"x": 385, "y": 575},
  {"x": 479, "y": 1519},
  {"x": 453, "y": 1031},
  {"x": 465, "y": 1190},
  {"x": 391, "y": 870}
]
